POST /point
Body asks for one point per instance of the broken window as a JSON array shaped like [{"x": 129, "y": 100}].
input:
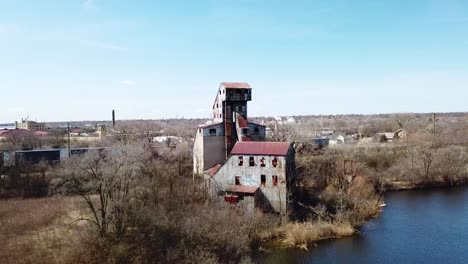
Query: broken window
[
  {"x": 237, "y": 182},
  {"x": 274, "y": 162},
  {"x": 251, "y": 161},
  {"x": 262, "y": 180},
  {"x": 245, "y": 131},
  {"x": 241, "y": 161},
  {"x": 274, "y": 180},
  {"x": 257, "y": 130},
  {"x": 262, "y": 162},
  {"x": 212, "y": 131}
]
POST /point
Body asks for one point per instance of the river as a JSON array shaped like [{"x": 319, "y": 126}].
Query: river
[{"x": 418, "y": 226}]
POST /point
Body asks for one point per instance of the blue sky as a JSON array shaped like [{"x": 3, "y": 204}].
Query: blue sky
[{"x": 76, "y": 59}]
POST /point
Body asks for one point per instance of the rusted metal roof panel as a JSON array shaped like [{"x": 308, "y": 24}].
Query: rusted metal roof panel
[
  {"x": 241, "y": 189},
  {"x": 261, "y": 148},
  {"x": 235, "y": 85},
  {"x": 213, "y": 170},
  {"x": 242, "y": 122}
]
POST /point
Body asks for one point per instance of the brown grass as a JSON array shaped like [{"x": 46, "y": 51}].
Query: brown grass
[
  {"x": 37, "y": 230},
  {"x": 295, "y": 234}
]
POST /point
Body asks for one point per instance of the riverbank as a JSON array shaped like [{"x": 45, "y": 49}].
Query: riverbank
[{"x": 399, "y": 235}]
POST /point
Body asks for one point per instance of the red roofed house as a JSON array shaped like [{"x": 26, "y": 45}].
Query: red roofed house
[
  {"x": 262, "y": 170},
  {"x": 214, "y": 142}
]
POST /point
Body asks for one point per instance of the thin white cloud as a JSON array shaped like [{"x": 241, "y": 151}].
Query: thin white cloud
[
  {"x": 103, "y": 45},
  {"x": 128, "y": 82},
  {"x": 90, "y": 5}
]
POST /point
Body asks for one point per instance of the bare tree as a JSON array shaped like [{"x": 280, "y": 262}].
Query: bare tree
[
  {"x": 108, "y": 182},
  {"x": 281, "y": 132}
]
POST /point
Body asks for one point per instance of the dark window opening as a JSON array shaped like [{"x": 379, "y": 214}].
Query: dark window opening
[
  {"x": 241, "y": 160},
  {"x": 262, "y": 162},
  {"x": 274, "y": 180},
  {"x": 274, "y": 162},
  {"x": 237, "y": 180},
  {"x": 263, "y": 180},
  {"x": 251, "y": 161},
  {"x": 245, "y": 131},
  {"x": 257, "y": 130},
  {"x": 212, "y": 131}
]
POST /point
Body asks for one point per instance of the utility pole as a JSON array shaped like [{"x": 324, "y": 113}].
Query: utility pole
[{"x": 69, "y": 150}]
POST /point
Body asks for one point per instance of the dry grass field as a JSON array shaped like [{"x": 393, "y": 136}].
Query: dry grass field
[{"x": 38, "y": 230}]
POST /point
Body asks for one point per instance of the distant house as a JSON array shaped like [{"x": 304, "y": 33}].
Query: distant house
[
  {"x": 401, "y": 134},
  {"x": 321, "y": 142},
  {"x": 75, "y": 132},
  {"x": 336, "y": 138},
  {"x": 29, "y": 125},
  {"x": 384, "y": 136}
]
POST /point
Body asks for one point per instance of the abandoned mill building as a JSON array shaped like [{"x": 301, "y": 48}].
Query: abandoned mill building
[{"x": 236, "y": 163}]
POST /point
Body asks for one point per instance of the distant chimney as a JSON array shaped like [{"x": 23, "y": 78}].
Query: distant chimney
[{"x": 113, "y": 119}]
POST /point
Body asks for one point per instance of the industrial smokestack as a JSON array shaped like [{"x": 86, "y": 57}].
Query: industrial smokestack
[{"x": 113, "y": 119}]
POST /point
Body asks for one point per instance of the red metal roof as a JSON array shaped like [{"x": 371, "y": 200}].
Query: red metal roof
[
  {"x": 241, "y": 189},
  {"x": 236, "y": 85},
  {"x": 261, "y": 148},
  {"x": 213, "y": 170},
  {"x": 14, "y": 132},
  {"x": 241, "y": 121}
]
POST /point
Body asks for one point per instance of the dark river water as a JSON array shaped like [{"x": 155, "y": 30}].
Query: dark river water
[{"x": 421, "y": 226}]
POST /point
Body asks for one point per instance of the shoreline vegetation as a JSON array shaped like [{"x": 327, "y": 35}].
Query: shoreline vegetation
[{"x": 137, "y": 201}]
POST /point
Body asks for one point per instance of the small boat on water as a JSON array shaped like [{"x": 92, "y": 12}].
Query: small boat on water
[{"x": 382, "y": 205}]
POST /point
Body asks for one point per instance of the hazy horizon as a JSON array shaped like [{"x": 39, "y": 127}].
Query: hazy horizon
[{"x": 78, "y": 60}]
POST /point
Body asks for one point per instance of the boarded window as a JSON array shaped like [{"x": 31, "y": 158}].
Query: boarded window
[
  {"x": 262, "y": 180},
  {"x": 274, "y": 162},
  {"x": 262, "y": 162},
  {"x": 241, "y": 161},
  {"x": 212, "y": 131},
  {"x": 274, "y": 180},
  {"x": 237, "y": 180},
  {"x": 251, "y": 161}
]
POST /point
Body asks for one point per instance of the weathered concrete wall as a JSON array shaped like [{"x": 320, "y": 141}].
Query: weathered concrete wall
[
  {"x": 213, "y": 148},
  {"x": 198, "y": 163},
  {"x": 276, "y": 196}
]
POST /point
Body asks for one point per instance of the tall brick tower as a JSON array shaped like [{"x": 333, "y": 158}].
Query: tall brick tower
[
  {"x": 232, "y": 99},
  {"x": 215, "y": 140}
]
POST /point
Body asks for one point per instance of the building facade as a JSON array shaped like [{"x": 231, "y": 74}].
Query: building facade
[
  {"x": 267, "y": 166},
  {"x": 29, "y": 125}
]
